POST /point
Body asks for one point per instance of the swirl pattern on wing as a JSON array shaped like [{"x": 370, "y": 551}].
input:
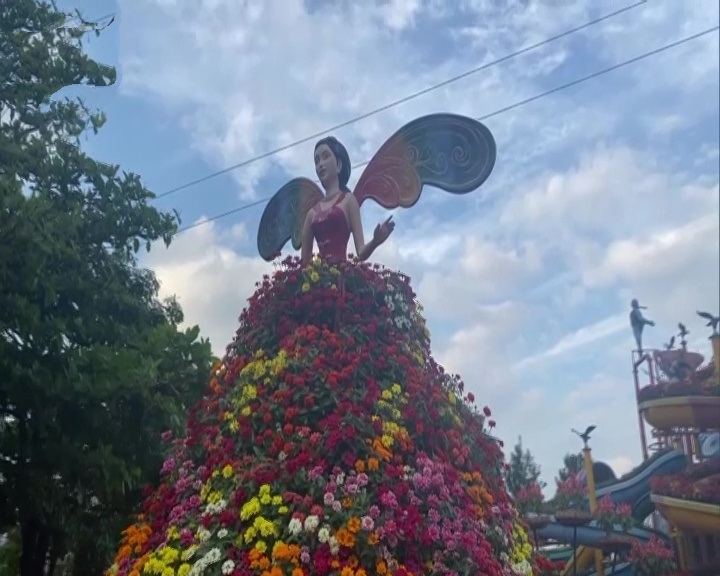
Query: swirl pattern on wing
[
  {"x": 284, "y": 216},
  {"x": 448, "y": 151}
]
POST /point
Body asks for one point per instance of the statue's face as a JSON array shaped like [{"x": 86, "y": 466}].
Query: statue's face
[{"x": 326, "y": 165}]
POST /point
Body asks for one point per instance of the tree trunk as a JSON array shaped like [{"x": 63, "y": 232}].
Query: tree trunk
[{"x": 35, "y": 544}]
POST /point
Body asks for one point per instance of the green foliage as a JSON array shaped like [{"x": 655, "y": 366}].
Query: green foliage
[
  {"x": 522, "y": 471},
  {"x": 572, "y": 464},
  {"x": 93, "y": 366}
]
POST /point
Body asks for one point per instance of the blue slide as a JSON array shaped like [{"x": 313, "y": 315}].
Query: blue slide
[{"x": 633, "y": 488}]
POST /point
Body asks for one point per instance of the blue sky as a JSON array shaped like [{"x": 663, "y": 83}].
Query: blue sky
[{"x": 601, "y": 192}]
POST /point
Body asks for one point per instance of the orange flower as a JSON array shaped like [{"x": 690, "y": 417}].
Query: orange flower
[
  {"x": 360, "y": 572},
  {"x": 124, "y": 552},
  {"x": 373, "y": 539},
  {"x": 354, "y": 525},
  {"x": 353, "y": 562},
  {"x": 360, "y": 466},
  {"x": 345, "y": 538},
  {"x": 298, "y": 572},
  {"x": 373, "y": 464},
  {"x": 380, "y": 449},
  {"x": 347, "y": 502},
  {"x": 347, "y": 571},
  {"x": 381, "y": 567}
]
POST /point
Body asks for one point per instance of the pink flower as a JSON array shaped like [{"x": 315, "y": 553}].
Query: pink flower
[{"x": 367, "y": 523}]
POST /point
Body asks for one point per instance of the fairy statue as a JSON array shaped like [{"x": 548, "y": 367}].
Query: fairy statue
[
  {"x": 450, "y": 152},
  {"x": 326, "y": 448}
]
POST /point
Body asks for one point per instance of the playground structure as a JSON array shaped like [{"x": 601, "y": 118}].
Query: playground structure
[{"x": 679, "y": 424}]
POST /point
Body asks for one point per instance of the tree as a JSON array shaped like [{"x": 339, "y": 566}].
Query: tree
[
  {"x": 522, "y": 470},
  {"x": 93, "y": 366},
  {"x": 573, "y": 463}
]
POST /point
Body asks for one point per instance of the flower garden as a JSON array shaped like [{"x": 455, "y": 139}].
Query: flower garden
[{"x": 331, "y": 443}]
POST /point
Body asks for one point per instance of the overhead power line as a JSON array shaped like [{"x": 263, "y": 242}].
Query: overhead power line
[
  {"x": 502, "y": 110},
  {"x": 402, "y": 100}
]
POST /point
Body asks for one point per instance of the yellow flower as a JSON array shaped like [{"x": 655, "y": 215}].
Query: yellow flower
[
  {"x": 246, "y": 411},
  {"x": 387, "y": 440},
  {"x": 250, "y": 534},
  {"x": 173, "y": 533},
  {"x": 227, "y": 472},
  {"x": 184, "y": 570},
  {"x": 168, "y": 555},
  {"x": 386, "y": 394},
  {"x": 452, "y": 398},
  {"x": 396, "y": 389},
  {"x": 260, "y": 546},
  {"x": 250, "y": 392},
  {"x": 305, "y": 287},
  {"x": 314, "y": 276},
  {"x": 250, "y": 508}
]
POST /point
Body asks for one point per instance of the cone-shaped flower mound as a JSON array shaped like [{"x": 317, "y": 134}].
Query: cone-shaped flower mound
[{"x": 330, "y": 443}]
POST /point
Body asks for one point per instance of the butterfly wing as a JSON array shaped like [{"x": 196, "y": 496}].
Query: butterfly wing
[
  {"x": 284, "y": 216},
  {"x": 448, "y": 151}
]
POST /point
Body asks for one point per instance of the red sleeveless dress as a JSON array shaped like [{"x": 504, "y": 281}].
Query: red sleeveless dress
[{"x": 331, "y": 231}]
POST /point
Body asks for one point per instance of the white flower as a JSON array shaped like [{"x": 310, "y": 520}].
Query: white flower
[
  {"x": 203, "y": 534},
  {"x": 334, "y": 546},
  {"x": 213, "y": 556},
  {"x": 295, "y": 526},
  {"x": 282, "y": 456},
  {"x": 323, "y": 535},
  {"x": 339, "y": 479},
  {"x": 222, "y": 533},
  {"x": 227, "y": 567},
  {"x": 524, "y": 568},
  {"x": 311, "y": 523}
]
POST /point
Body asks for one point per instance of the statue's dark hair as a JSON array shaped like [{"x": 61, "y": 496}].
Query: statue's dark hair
[{"x": 342, "y": 156}]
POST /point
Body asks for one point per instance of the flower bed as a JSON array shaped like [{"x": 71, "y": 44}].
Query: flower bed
[
  {"x": 331, "y": 443},
  {"x": 610, "y": 516},
  {"x": 653, "y": 558},
  {"x": 678, "y": 389},
  {"x": 689, "y": 486}
]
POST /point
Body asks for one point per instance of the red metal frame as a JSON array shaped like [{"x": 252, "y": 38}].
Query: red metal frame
[{"x": 638, "y": 359}]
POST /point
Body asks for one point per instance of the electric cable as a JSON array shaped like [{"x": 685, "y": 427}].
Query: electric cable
[
  {"x": 400, "y": 101},
  {"x": 499, "y": 111}
]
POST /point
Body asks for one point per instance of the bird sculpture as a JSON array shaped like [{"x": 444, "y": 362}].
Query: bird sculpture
[
  {"x": 683, "y": 332},
  {"x": 713, "y": 321},
  {"x": 585, "y": 436}
]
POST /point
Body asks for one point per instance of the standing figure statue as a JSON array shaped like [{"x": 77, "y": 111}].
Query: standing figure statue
[
  {"x": 329, "y": 441},
  {"x": 638, "y": 322},
  {"x": 447, "y": 151}
]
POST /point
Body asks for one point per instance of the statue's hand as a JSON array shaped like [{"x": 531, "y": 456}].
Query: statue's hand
[{"x": 382, "y": 231}]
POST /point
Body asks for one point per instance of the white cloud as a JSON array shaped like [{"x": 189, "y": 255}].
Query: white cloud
[
  {"x": 601, "y": 193},
  {"x": 582, "y": 337}
]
